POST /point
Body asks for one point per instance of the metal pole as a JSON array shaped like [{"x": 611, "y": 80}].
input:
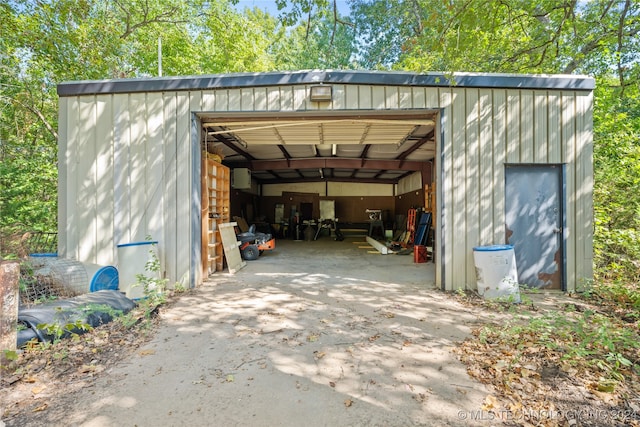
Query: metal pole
[{"x": 159, "y": 56}]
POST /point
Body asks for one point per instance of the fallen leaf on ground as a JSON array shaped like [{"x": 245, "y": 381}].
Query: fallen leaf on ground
[
  {"x": 86, "y": 368},
  {"x": 490, "y": 402},
  {"x": 348, "y": 402},
  {"x": 146, "y": 352},
  {"x": 41, "y": 408},
  {"x": 39, "y": 389}
]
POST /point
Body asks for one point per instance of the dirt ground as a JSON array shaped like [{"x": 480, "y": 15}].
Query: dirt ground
[{"x": 319, "y": 333}]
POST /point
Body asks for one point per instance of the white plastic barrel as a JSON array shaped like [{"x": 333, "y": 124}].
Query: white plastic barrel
[
  {"x": 496, "y": 272},
  {"x": 102, "y": 277},
  {"x": 132, "y": 260}
]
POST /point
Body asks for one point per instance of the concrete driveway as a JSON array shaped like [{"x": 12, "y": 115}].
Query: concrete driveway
[{"x": 319, "y": 333}]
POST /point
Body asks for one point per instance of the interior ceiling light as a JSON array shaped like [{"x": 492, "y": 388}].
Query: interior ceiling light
[{"x": 320, "y": 93}]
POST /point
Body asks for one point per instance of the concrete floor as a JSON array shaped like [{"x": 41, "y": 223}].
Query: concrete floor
[
  {"x": 352, "y": 255},
  {"x": 319, "y": 333}
]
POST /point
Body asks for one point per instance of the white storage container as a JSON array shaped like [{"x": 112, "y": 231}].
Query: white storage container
[
  {"x": 496, "y": 272},
  {"x": 132, "y": 260}
]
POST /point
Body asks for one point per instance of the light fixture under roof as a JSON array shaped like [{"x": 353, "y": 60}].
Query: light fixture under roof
[{"x": 321, "y": 93}]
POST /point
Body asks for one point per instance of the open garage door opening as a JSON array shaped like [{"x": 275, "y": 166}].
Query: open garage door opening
[{"x": 364, "y": 177}]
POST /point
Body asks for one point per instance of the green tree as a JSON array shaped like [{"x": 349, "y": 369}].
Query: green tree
[
  {"x": 498, "y": 36},
  {"x": 320, "y": 44},
  {"x": 49, "y": 41},
  {"x": 617, "y": 182}
]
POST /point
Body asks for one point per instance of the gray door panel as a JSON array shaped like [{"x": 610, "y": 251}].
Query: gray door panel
[{"x": 534, "y": 223}]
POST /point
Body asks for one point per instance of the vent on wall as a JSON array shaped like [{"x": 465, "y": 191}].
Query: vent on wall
[{"x": 241, "y": 178}]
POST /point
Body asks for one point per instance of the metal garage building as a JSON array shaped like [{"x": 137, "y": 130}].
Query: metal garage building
[{"x": 510, "y": 157}]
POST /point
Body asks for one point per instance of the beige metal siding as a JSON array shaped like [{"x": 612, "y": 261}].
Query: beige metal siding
[
  {"x": 183, "y": 180},
  {"x": 569, "y": 156},
  {"x": 472, "y": 181},
  {"x": 104, "y": 180},
  {"x": 584, "y": 178},
  {"x": 410, "y": 183},
  {"x": 122, "y": 201},
  {"x": 541, "y": 136},
  {"x": 71, "y": 159},
  {"x": 499, "y": 147},
  {"x": 554, "y": 127},
  {"x": 127, "y": 165},
  {"x": 63, "y": 179},
  {"x": 86, "y": 181},
  {"x": 515, "y": 126},
  {"x": 173, "y": 268},
  {"x": 444, "y": 200},
  {"x": 486, "y": 170}
]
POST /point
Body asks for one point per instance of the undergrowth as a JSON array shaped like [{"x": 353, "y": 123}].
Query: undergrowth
[{"x": 595, "y": 339}]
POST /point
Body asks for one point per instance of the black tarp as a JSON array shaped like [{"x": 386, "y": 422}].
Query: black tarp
[{"x": 94, "y": 309}]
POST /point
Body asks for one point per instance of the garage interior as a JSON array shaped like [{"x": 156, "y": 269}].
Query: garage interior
[{"x": 288, "y": 169}]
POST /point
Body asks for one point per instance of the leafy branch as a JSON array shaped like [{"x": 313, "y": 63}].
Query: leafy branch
[{"x": 147, "y": 16}]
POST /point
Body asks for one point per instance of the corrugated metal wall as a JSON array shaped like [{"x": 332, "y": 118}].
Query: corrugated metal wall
[
  {"x": 483, "y": 130},
  {"x": 128, "y": 165}
]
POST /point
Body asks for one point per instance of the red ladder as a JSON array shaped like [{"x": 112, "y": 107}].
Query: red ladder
[{"x": 411, "y": 226}]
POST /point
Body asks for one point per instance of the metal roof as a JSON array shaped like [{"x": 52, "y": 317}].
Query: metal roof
[{"x": 395, "y": 78}]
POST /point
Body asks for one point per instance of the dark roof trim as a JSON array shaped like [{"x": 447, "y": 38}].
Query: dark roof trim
[{"x": 240, "y": 80}]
